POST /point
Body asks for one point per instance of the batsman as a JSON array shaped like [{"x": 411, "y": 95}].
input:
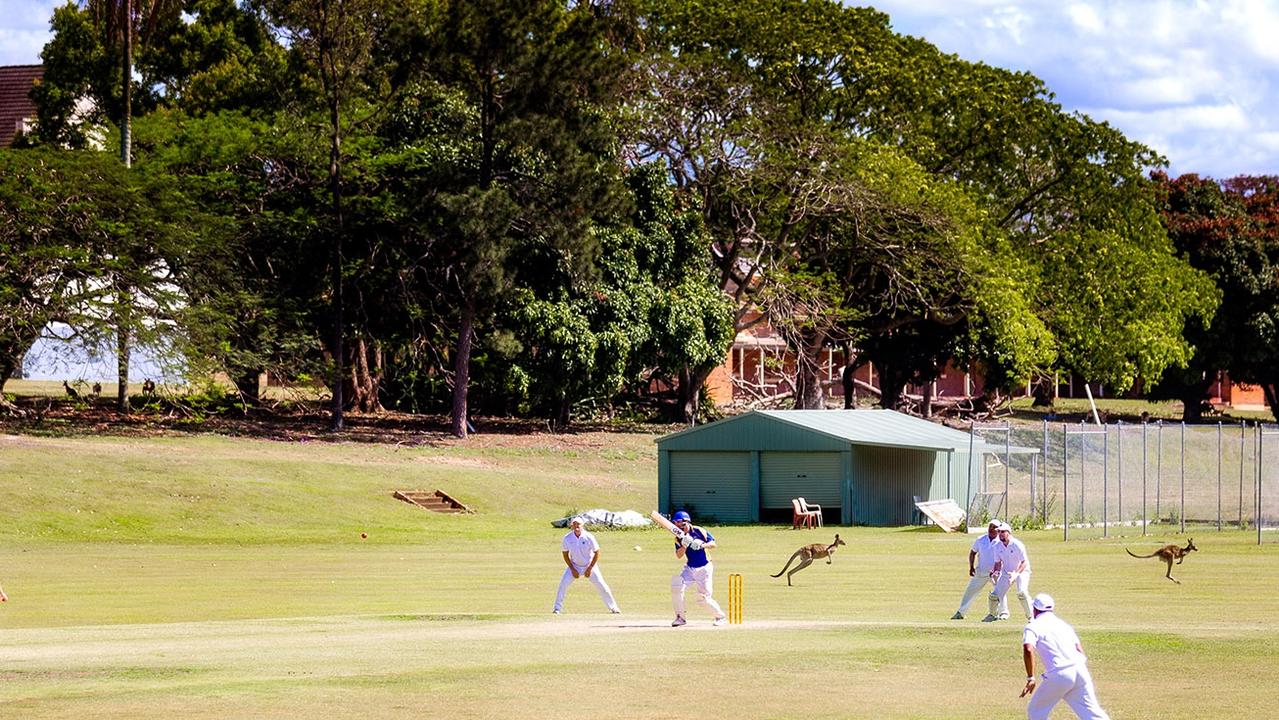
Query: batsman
[{"x": 691, "y": 545}]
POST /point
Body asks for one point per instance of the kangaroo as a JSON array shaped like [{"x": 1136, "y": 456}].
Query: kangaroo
[
  {"x": 1168, "y": 553},
  {"x": 808, "y": 554}
]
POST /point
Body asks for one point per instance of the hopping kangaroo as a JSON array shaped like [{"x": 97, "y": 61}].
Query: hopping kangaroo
[
  {"x": 808, "y": 554},
  {"x": 1168, "y": 553}
]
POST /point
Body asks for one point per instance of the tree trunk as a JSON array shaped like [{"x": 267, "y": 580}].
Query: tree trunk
[
  {"x": 1193, "y": 403},
  {"x": 335, "y": 192},
  {"x": 1272, "y": 398},
  {"x": 365, "y": 382},
  {"x": 246, "y": 384},
  {"x": 462, "y": 369},
  {"x": 849, "y": 377},
  {"x": 563, "y": 414},
  {"x": 8, "y": 363},
  {"x": 808, "y": 386},
  {"x": 689, "y": 392},
  {"x": 1042, "y": 390},
  {"x": 126, "y": 89},
  {"x": 122, "y": 352},
  {"x": 891, "y": 386},
  {"x": 928, "y": 400}
]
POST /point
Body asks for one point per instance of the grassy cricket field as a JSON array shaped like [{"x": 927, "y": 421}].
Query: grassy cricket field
[{"x": 213, "y": 577}]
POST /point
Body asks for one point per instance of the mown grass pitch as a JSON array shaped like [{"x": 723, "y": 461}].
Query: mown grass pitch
[{"x": 210, "y": 577}]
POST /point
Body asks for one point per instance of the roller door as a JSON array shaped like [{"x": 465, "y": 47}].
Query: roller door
[
  {"x": 715, "y": 484},
  {"x": 815, "y": 476}
]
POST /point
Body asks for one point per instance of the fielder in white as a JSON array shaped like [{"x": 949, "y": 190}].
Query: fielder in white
[
  {"x": 698, "y": 570},
  {"x": 581, "y": 554},
  {"x": 983, "y": 553},
  {"x": 1012, "y": 567},
  {"x": 1066, "y": 674}
]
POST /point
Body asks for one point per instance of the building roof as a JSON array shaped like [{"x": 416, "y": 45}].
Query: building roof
[
  {"x": 16, "y": 107},
  {"x": 882, "y": 428}
]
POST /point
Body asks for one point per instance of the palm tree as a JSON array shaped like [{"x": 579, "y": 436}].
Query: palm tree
[{"x": 123, "y": 23}]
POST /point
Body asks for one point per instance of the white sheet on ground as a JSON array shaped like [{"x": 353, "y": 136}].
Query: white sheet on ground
[{"x": 605, "y": 518}]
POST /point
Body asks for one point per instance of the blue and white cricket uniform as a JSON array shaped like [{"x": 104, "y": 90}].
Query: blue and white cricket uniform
[
  {"x": 699, "y": 572},
  {"x": 581, "y": 550},
  {"x": 1010, "y": 557},
  {"x": 984, "y": 547},
  {"x": 1066, "y": 675}
]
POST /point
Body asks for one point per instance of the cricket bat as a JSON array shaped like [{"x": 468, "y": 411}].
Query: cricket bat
[{"x": 660, "y": 519}]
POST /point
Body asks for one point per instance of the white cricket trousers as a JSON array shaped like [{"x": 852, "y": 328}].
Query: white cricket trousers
[
  {"x": 1005, "y": 581},
  {"x": 976, "y": 584},
  {"x": 596, "y": 578},
  {"x": 1072, "y": 684},
  {"x": 701, "y": 580}
]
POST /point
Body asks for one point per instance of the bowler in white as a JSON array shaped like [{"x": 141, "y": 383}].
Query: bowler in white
[
  {"x": 1066, "y": 674},
  {"x": 981, "y": 561},
  {"x": 581, "y": 554},
  {"x": 1012, "y": 567}
]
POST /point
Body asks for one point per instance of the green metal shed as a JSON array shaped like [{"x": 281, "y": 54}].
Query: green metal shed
[{"x": 866, "y": 464}]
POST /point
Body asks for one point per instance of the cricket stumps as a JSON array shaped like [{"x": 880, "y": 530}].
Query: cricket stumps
[{"x": 736, "y": 598}]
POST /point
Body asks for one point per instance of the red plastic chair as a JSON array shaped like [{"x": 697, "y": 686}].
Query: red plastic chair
[{"x": 801, "y": 517}]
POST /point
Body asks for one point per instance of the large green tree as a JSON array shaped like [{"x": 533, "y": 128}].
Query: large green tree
[
  {"x": 1229, "y": 230},
  {"x": 763, "y": 112},
  {"x": 534, "y": 160},
  {"x": 76, "y": 226},
  {"x": 1061, "y": 208},
  {"x": 642, "y": 317},
  {"x": 333, "y": 43}
]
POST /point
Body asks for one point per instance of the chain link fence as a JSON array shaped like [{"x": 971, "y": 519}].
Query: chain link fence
[{"x": 1127, "y": 479}]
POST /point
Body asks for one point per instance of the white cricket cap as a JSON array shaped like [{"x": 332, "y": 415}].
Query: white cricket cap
[
  {"x": 1043, "y": 601},
  {"x": 996, "y": 523},
  {"x": 1005, "y": 526},
  {"x": 577, "y": 521}
]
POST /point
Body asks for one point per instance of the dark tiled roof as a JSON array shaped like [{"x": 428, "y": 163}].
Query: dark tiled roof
[{"x": 15, "y": 104}]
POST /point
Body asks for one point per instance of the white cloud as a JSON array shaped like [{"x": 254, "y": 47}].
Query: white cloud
[
  {"x": 1085, "y": 18},
  {"x": 1197, "y": 80},
  {"x": 24, "y": 29}
]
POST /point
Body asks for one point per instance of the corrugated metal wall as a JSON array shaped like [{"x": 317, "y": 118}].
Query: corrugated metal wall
[
  {"x": 712, "y": 485},
  {"x": 886, "y": 479},
  {"x": 816, "y": 477}
]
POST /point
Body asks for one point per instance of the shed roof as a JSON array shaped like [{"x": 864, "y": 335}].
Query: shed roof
[{"x": 883, "y": 428}]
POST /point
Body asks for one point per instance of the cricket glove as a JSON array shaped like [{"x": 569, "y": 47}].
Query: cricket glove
[{"x": 695, "y": 544}]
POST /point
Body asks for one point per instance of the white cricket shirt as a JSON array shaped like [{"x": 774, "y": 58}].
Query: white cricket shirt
[
  {"x": 580, "y": 549},
  {"x": 1011, "y": 555},
  {"x": 984, "y": 546},
  {"x": 1054, "y": 640}
]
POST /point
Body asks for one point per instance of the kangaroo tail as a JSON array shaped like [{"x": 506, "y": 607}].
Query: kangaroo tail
[
  {"x": 1139, "y": 556},
  {"x": 788, "y": 562}
]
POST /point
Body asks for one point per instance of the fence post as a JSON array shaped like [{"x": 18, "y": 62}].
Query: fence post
[
  {"x": 1144, "y": 457},
  {"x": 1243, "y": 450},
  {"x": 1183, "y": 476},
  {"x": 1065, "y": 484},
  {"x": 1043, "y": 497},
  {"x": 1083, "y": 468},
  {"x": 968, "y": 496},
  {"x": 1218, "y": 476},
  {"x": 1105, "y": 481},
  {"x": 1260, "y": 449},
  {"x": 1159, "y": 465},
  {"x": 1119, "y": 439},
  {"x": 1008, "y": 463}
]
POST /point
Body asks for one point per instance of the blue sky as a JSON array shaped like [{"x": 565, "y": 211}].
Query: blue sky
[{"x": 1198, "y": 80}]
